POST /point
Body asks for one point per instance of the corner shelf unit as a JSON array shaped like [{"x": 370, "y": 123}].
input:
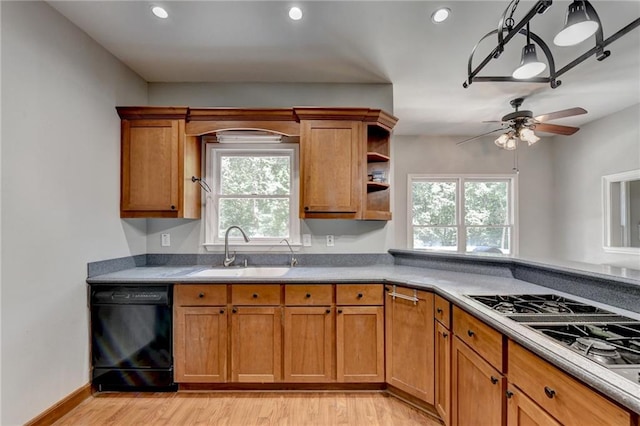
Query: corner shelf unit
[{"x": 378, "y": 194}]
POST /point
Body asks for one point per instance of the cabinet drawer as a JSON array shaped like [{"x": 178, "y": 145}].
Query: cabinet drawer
[
  {"x": 302, "y": 295},
  {"x": 255, "y": 294},
  {"x": 483, "y": 339},
  {"x": 359, "y": 294},
  {"x": 199, "y": 295},
  {"x": 565, "y": 398},
  {"x": 443, "y": 311}
]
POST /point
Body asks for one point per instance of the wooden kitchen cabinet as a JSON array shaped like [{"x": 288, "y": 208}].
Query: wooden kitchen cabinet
[
  {"x": 522, "y": 411},
  {"x": 477, "y": 389},
  {"x": 360, "y": 333},
  {"x": 330, "y": 169},
  {"x": 563, "y": 397},
  {"x": 256, "y": 344},
  {"x": 200, "y": 334},
  {"x": 409, "y": 346},
  {"x": 443, "y": 338},
  {"x": 157, "y": 163},
  {"x": 308, "y": 344}
]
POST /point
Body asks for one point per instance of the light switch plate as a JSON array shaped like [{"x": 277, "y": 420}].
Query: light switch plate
[
  {"x": 306, "y": 240},
  {"x": 165, "y": 240}
]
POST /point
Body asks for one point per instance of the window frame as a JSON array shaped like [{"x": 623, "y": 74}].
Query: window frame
[
  {"x": 460, "y": 225},
  {"x": 213, "y": 153}
]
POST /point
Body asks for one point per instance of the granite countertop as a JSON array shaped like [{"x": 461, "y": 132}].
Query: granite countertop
[{"x": 454, "y": 286}]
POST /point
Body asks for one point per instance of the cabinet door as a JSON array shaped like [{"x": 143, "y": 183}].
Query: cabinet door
[
  {"x": 443, "y": 373},
  {"x": 409, "y": 344},
  {"x": 200, "y": 344},
  {"x": 477, "y": 389},
  {"x": 308, "y": 344},
  {"x": 256, "y": 344},
  {"x": 150, "y": 172},
  {"x": 521, "y": 411},
  {"x": 330, "y": 160},
  {"x": 360, "y": 344}
]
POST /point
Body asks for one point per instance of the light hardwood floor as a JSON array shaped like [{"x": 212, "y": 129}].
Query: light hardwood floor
[{"x": 246, "y": 409}]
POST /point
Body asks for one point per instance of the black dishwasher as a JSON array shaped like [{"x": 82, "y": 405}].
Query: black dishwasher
[{"x": 131, "y": 338}]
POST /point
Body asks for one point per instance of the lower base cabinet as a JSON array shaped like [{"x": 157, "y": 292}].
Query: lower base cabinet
[
  {"x": 477, "y": 389},
  {"x": 360, "y": 344},
  {"x": 443, "y": 372},
  {"x": 256, "y": 344},
  {"x": 521, "y": 411}
]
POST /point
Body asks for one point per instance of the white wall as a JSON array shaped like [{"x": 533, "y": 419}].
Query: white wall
[
  {"x": 60, "y": 198},
  {"x": 350, "y": 236},
  {"x": 606, "y": 146},
  {"x": 441, "y": 155}
]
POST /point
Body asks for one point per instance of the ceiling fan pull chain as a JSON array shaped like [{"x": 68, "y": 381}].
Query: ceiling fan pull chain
[{"x": 515, "y": 160}]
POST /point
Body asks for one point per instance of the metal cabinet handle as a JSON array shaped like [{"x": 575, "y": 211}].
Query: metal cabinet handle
[
  {"x": 509, "y": 393},
  {"x": 339, "y": 311},
  {"x": 308, "y": 295},
  {"x": 173, "y": 207},
  {"x": 445, "y": 335},
  {"x": 234, "y": 310},
  {"x": 222, "y": 311},
  {"x": 549, "y": 392},
  {"x": 201, "y": 295},
  {"x": 494, "y": 380},
  {"x": 328, "y": 311},
  {"x": 255, "y": 295},
  {"x": 360, "y": 295},
  {"x": 439, "y": 310},
  {"x": 306, "y": 209},
  {"x": 471, "y": 333}
]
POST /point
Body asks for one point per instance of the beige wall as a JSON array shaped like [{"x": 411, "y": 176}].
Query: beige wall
[
  {"x": 606, "y": 146},
  {"x": 60, "y": 198}
]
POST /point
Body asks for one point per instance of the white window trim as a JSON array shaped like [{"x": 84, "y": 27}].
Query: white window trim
[
  {"x": 212, "y": 242},
  {"x": 460, "y": 179}
]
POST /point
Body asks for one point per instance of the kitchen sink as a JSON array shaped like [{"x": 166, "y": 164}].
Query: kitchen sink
[{"x": 250, "y": 272}]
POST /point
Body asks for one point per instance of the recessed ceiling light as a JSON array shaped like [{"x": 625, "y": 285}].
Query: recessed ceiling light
[
  {"x": 440, "y": 15},
  {"x": 159, "y": 12},
  {"x": 295, "y": 13}
]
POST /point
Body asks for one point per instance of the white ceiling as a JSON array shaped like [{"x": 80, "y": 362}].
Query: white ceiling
[{"x": 370, "y": 42}]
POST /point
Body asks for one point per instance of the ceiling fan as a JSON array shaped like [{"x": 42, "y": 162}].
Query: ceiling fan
[{"x": 520, "y": 125}]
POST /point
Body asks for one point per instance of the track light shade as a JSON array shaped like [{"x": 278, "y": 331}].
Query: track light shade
[
  {"x": 578, "y": 26},
  {"x": 530, "y": 66}
]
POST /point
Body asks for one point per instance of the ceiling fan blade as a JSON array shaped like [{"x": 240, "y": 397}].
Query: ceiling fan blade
[
  {"x": 479, "y": 136},
  {"x": 561, "y": 114},
  {"x": 554, "y": 128}
]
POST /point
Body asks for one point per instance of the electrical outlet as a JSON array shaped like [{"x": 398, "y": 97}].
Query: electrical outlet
[
  {"x": 329, "y": 240},
  {"x": 165, "y": 240},
  {"x": 306, "y": 240}
]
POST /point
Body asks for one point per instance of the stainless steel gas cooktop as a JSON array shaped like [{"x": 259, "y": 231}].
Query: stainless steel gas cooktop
[{"x": 597, "y": 334}]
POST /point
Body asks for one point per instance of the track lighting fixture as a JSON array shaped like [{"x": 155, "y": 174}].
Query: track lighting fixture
[{"x": 581, "y": 22}]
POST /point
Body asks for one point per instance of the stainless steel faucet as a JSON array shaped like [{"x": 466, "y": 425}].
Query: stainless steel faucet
[
  {"x": 228, "y": 260},
  {"x": 294, "y": 261}
]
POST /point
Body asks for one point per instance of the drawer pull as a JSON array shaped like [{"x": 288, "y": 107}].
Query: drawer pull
[
  {"x": 360, "y": 295},
  {"x": 339, "y": 311},
  {"x": 308, "y": 295},
  {"x": 255, "y": 295},
  {"x": 549, "y": 392},
  {"x": 222, "y": 311},
  {"x": 439, "y": 310},
  {"x": 509, "y": 393},
  {"x": 328, "y": 311},
  {"x": 201, "y": 295},
  {"x": 494, "y": 380},
  {"x": 445, "y": 335},
  {"x": 471, "y": 333},
  {"x": 234, "y": 310}
]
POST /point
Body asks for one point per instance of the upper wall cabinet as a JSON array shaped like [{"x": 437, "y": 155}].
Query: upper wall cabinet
[
  {"x": 157, "y": 163},
  {"x": 344, "y": 164}
]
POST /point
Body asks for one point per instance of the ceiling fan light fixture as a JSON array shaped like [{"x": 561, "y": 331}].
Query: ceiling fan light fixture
[
  {"x": 502, "y": 140},
  {"x": 528, "y": 136},
  {"x": 578, "y": 26},
  {"x": 510, "y": 145},
  {"x": 530, "y": 66}
]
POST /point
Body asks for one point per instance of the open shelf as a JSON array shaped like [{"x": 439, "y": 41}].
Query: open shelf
[
  {"x": 376, "y": 186},
  {"x": 376, "y": 157}
]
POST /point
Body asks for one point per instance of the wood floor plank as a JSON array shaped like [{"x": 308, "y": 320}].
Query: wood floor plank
[{"x": 246, "y": 409}]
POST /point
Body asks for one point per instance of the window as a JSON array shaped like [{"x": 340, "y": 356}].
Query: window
[
  {"x": 254, "y": 186},
  {"x": 463, "y": 213}
]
